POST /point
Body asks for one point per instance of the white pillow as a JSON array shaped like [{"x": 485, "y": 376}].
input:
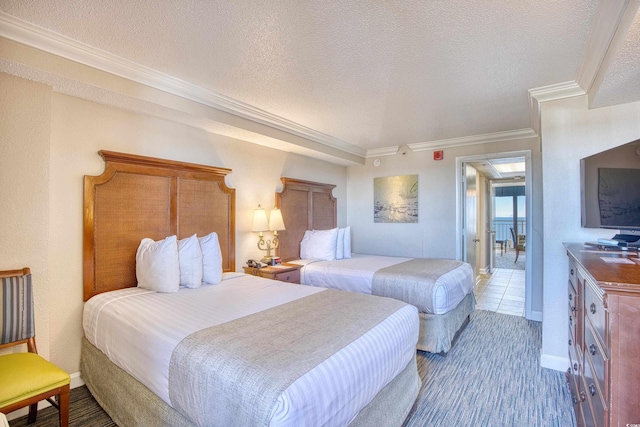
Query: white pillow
[
  {"x": 340, "y": 244},
  {"x": 346, "y": 243},
  {"x": 190, "y": 257},
  {"x": 211, "y": 259},
  {"x": 304, "y": 244},
  {"x": 157, "y": 265},
  {"x": 319, "y": 244}
]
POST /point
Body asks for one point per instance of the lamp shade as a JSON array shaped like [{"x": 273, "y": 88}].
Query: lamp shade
[
  {"x": 260, "y": 222},
  {"x": 276, "y": 222}
]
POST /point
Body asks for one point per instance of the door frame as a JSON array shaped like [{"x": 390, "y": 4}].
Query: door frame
[{"x": 460, "y": 206}]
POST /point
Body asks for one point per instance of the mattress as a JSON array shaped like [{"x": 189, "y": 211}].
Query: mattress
[
  {"x": 355, "y": 274},
  {"x": 139, "y": 329}
]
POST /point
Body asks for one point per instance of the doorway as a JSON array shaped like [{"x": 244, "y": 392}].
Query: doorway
[{"x": 502, "y": 202}]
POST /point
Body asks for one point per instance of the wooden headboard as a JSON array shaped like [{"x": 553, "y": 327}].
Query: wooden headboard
[
  {"x": 305, "y": 205},
  {"x": 139, "y": 197}
]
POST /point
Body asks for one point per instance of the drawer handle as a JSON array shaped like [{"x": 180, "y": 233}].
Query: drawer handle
[
  {"x": 570, "y": 343},
  {"x": 573, "y": 308},
  {"x": 574, "y": 399},
  {"x": 592, "y": 308},
  {"x": 572, "y": 271},
  {"x": 570, "y": 320},
  {"x": 592, "y": 389},
  {"x": 288, "y": 278},
  {"x": 592, "y": 349},
  {"x": 570, "y": 297},
  {"x": 575, "y": 366},
  {"x": 583, "y": 396}
]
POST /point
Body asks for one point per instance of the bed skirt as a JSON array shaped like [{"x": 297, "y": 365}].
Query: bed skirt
[
  {"x": 129, "y": 403},
  {"x": 438, "y": 331}
]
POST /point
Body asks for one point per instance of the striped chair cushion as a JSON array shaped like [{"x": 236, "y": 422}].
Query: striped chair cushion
[{"x": 16, "y": 309}]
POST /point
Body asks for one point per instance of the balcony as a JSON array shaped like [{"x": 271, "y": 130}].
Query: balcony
[{"x": 501, "y": 227}]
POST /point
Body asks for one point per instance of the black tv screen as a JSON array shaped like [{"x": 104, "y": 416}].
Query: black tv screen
[{"x": 619, "y": 198}]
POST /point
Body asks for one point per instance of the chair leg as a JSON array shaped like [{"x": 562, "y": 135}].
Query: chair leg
[
  {"x": 517, "y": 253},
  {"x": 63, "y": 407},
  {"x": 33, "y": 413}
]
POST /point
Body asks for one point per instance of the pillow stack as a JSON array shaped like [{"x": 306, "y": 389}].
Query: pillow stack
[
  {"x": 326, "y": 244},
  {"x": 168, "y": 264}
]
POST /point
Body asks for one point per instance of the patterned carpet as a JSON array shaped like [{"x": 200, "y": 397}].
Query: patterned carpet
[{"x": 491, "y": 377}]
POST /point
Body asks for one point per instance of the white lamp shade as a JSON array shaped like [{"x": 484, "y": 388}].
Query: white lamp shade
[
  {"x": 260, "y": 222},
  {"x": 276, "y": 223}
]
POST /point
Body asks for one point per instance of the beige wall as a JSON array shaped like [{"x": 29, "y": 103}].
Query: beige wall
[
  {"x": 66, "y": 150},
  {"x": 24, "y": 193},
  {"x": 435, "y": 234},
  {"x": 571, "y": 131}
]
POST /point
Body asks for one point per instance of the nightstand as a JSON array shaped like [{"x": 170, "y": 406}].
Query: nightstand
[{"x": 285, "y": 272}]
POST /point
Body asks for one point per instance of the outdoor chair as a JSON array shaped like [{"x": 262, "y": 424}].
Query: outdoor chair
[{"x": 519, "y": 242}]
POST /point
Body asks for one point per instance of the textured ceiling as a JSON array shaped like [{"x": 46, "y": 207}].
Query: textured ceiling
[
  {"x": 370, "y": 73},
  {"x": 622, "y": 83}
]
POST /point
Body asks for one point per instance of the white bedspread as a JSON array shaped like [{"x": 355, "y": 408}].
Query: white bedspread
[
  {"x": 355, "y": 274},
  {"x": 138, "y": 330}
]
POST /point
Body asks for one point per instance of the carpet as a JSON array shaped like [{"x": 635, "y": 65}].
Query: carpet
[
  {"x": 507, "y": 260},
  {"x": 491, "y": 377}
]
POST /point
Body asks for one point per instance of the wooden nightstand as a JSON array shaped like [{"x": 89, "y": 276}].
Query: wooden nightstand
[{"x": 285, "y": 273}]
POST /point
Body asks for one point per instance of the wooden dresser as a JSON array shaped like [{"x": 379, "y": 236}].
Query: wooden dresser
[{"x": 604, "y": 337}]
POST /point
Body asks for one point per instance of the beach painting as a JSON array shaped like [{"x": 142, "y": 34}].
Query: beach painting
[{"x": 395, "y": 199}]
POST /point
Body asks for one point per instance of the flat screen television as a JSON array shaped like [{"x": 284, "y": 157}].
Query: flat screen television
[
  {"x": 619, "y": 198},
  {"x": 611, "y": 191}
]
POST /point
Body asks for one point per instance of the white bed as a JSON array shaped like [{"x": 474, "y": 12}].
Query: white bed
[
  {"x": 139, "y": 329},
  {"x": 444, "y": 304},
  {"x": 234, "y": 352},
  {"x": 444, "y": 307},
  {"x": 356, "y": 274}
]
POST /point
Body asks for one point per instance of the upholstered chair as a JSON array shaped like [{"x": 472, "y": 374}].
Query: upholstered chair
[{"x": 25, "y": 377}]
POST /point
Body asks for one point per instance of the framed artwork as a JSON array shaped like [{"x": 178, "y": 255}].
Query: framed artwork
[{"x": 395, "y": 199}]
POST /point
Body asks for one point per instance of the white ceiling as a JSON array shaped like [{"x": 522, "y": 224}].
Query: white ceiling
[{"x": 369, "y": 74}]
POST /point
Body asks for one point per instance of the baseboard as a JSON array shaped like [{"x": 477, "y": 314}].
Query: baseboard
[
  {"x": 556, "y": 363},
  {"x": 76, "y": 381},
  {"x": 535, "y": 315}
]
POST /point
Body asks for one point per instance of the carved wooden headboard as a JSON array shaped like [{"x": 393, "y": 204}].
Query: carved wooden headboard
[
  {"x": 139, "y": 197},
  {"x": 305, "y": 205}
]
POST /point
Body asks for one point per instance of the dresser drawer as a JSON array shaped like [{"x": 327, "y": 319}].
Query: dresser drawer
[
  {"x": 592, "y": 391},
  {"x": 573, "y": 381},
  {"x": 573, "y": 312},
  {"x": 573, "y": 299},
  {"x": 585, "y": 408},
  {"x": 597, "y": 357},
  {"x": 572, "y": 274},
  {"x": 573, "y": 357},
  {"x": 594, "y": 310},
  {"x": 577, "y": 399}
]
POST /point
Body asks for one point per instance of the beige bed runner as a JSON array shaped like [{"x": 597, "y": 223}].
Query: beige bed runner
[
  {"x": 412, "y": 281},
  {"x": 232, "y": 374}
]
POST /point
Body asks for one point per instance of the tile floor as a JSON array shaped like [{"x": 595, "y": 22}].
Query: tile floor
[{"x": 501, "y": 291}]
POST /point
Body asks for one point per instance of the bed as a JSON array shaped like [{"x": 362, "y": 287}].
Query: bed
[
  {"x": 243, "y": 351},
  {"x": 441, "y": 289}
]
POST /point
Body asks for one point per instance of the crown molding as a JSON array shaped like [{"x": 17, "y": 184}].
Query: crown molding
[
  {"x": 48, "y": 41},
  {"x": 486, "y": 138},
  {"x": 384, "y": 151},
  {"x": 550, "y": 93}
]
